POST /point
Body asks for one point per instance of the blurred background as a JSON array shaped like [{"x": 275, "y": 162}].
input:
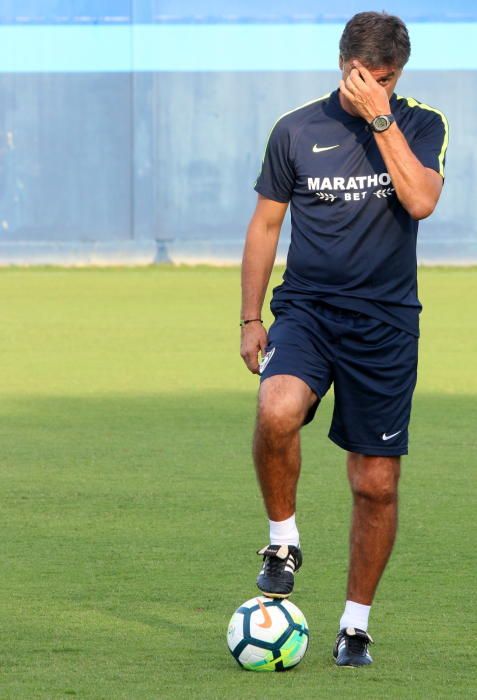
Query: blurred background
[{"x": 131, "y": 131}]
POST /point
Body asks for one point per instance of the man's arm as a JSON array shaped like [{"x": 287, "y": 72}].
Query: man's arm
[
  {"x": 257, "y": 264},
  {"x": 418, "y": 188}
]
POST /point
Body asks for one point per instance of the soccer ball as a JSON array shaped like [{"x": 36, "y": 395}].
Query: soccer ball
[{"x": 267, "y": 634}]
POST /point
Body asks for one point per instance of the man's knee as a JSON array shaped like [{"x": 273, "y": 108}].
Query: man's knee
[
  {"x": 280, "y": 417},
  {"x": 281, "y": 409},
  {"x": 374, "y": 478}
]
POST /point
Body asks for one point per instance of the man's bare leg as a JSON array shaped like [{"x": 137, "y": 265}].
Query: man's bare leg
[
  {"x": 374, "y": 484},
  {"x": 283, "y": 403}
]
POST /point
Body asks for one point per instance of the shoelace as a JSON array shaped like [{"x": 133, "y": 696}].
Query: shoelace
[
  {"x": 275, "y": 565},
  {"x": 357, "y": 645}
]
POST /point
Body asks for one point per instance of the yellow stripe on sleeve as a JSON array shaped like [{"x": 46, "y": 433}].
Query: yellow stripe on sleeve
[
  {"x": 414, "y": 103},
  {"x": 307, "y": 104}
]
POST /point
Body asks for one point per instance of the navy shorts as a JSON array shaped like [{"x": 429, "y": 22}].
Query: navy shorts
[{"x": 372, "y": 365}]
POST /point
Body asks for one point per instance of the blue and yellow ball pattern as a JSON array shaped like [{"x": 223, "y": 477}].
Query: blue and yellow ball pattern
[{"x": 267, "y": 634}]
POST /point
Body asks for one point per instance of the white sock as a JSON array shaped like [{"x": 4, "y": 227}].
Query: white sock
[
  {"x": 284, "y": 531},
  {"x": 355, "y": 615}
]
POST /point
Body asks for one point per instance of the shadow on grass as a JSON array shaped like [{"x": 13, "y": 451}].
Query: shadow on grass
[{"x": 130, "y": 523}]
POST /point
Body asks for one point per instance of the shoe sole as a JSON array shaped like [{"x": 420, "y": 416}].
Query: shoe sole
[
  {"x": 350, "y": 666},
  {"x": 275, "y": 595}
]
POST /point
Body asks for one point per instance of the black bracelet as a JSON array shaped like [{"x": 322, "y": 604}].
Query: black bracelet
[{"x": 244, "y": 322}]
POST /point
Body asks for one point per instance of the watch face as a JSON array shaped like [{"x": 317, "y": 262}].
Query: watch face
[{"x": 381, "y": 123}]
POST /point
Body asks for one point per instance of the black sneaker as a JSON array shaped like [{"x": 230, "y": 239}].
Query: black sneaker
[
  {"x": 280, "y": 562},
  {"x": 351, "y": 648}
]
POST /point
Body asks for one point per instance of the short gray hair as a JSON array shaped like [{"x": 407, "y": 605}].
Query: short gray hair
[{"x": 376, "y": 39}]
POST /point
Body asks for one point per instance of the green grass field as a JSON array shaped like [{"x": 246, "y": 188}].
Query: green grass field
[{"x": 130, "y": 513}]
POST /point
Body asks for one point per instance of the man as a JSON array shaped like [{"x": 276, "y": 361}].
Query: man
[{"x": 360, "y": 167}]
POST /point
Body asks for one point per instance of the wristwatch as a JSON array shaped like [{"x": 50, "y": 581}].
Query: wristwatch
[{"x": 382, "y": 122}]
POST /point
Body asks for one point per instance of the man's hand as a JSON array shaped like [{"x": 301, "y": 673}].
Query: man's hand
[
  {"x": 367, "y": 96},
  {"x": 253, "y": 341}
]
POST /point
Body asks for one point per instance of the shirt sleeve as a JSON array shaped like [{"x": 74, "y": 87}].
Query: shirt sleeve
[
  {"x": 277, "y": 176},
  {"x": 430, "y": 143}
]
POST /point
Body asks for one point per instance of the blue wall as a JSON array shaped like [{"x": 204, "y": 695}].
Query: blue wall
[
  {"x": 125, "y": 122},
  {"x": 233, "y": 11}
]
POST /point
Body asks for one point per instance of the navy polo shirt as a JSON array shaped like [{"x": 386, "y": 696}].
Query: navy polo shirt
[{"x": 353, "y": 244}]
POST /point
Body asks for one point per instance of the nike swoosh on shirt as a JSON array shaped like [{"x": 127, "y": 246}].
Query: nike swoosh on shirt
[
  {"x": 267, "y": 620},
  {"x": 388, "y": 437},
  {"x": 318, "y": 149}
]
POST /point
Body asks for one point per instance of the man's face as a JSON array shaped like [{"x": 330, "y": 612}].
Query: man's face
[{"x": 386, "y": 76}]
